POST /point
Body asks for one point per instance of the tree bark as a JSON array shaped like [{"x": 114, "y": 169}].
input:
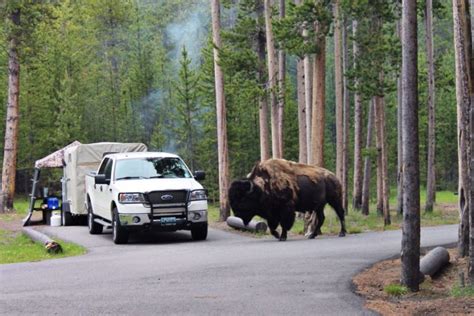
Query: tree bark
[
  {"x": 302, "y": 141},
  {"x": 399, "y": 138},
  {"x": 431, "y": 172},
  {"x": 222, "y": 151},
  {"x": 281, "y": 87},
  {"x": 338, "y": 90},
  {"x": 357, "y": 191},
  {"x": 12, "y": 121},
  {"x": 272, "y": 78},
  {"x": 319, "y": 96},
  {"x": 367, "y": 161},
  {"x": 346, "y": 108},
  {"x": 410, "y": 252},
  {"x": 463, "y": 90},
  {"x": 262, "y": 103},
  {"x": 382, "y": 173},
  {"x": 378, "y": 146},
  {"x": 308, "y": 96}
]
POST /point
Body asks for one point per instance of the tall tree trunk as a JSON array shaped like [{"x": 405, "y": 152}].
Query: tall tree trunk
[
  {"x": 378, "y": 146},
  {"x": 319, "y": 96},
  {"x": 272, "y": 78},
  {"x": 399, "y": 138},
  {"x": 410, "y": 252},
  {"x": 357, "y": 191},
  {"x": 11, "y": 127},
  {"x": 382, "y": 173},
  {"x": 471, "y": 195},
  {"x": 345, "y": 135},
  {"x": 281, "y": 86},
  {"x": 308, "y": 97},
  {"x": 367, "y": 161},
  {"x": 471, "y": 152},
  {"x": 303, "y": 153},
  {"x": 262, "y": 103},
  {"x": 222, "y": 152},
  {"x": 338, "y": 89},
  {"x": 431, "y": 172},
  {"x": 463, "y": 89}
]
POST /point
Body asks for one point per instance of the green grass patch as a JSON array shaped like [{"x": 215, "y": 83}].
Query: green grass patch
[
  {"x": 395, "y": 290},
  {"x": 458, "y": 291},
  {"x": 17, "y": 247},
  {"x": 358, "y": 223}
]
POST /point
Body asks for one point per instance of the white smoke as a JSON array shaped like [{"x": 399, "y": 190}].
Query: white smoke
[{"x": 191, "y": 32}]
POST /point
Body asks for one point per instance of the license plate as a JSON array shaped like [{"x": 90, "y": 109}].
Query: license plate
[{"x": 168, "y": 221}]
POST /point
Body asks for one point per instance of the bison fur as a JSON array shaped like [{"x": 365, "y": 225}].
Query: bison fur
[{"x": 277, "y": 188}]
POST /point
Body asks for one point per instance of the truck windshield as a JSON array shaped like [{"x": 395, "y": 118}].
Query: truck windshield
[{"x": 147, "y": 168}]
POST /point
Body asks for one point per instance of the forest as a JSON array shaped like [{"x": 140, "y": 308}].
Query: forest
[{"x": 311, "y": 81}]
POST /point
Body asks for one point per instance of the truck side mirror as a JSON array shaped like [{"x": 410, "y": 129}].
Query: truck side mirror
[
  {"x": 100, "y": 179},
  {"x": 199, "y": 175}
]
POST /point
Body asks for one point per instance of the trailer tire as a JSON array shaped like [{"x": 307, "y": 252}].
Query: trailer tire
[
  {"x": 94, "y": 228},
  {"x": 119, "y": 233},
  {"x": 199, "y": 232},
  {"x": 66, "y": 218}
]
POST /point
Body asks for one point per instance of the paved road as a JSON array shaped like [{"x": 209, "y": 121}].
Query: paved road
[{"x": 228, "y": 274}]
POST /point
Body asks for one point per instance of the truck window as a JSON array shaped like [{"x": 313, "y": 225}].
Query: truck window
[
  {"x": 108, "y": 169},
  {"x": 102, "y": 166}
]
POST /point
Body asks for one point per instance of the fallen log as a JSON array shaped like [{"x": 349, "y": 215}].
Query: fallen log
[
  {"x": 253, "y": 226},
  {"x": 49, "y": 244},
  {"x": 434, "y": 261}
]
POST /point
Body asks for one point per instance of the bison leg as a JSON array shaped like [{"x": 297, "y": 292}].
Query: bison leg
[
  {"x": 273, "y": 226},
  {"x": 337, "y": 205},
  {"x": 286, "y": 223}
]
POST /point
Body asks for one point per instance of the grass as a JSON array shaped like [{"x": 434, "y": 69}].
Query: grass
[
  {"x": 395, "y": 289},
  {"x": 17, "y": 247},
  {"x": 458, "y": 291},
  {"x": 358, "y": 223}
]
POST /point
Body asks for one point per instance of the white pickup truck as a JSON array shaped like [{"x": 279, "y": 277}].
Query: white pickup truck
[{"x": 145, "y": 190}]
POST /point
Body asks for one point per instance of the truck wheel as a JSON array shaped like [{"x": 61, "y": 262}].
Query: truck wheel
[
  {"x": 66, "y": 218},
  {"x": 119, "y": 233},
  {"x": 94, "y": 228},
  {"x": 199, "y": 232}
]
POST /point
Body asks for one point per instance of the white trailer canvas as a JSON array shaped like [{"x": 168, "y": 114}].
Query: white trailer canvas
[{"x": 81, "y": 160}]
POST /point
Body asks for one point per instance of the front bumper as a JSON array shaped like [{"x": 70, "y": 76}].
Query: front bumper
[{"x": 143, "y": 216}]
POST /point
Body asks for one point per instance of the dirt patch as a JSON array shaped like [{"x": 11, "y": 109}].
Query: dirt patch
[{"x": 433, "y": 298}]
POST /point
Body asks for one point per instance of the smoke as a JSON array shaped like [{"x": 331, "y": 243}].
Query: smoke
[{"x": 191, "y": 32}]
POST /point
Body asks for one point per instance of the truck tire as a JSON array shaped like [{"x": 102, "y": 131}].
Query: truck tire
[
  {"x": 119, "y": 233},
  {"x": 94, "y": 228},
  {"x": 199, "y": 232},
  {"x": 66, "y": 218}
]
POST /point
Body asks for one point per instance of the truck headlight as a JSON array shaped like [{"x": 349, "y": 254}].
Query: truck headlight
[
  {"x": 198, "y": 195},
  {"x": 129, "y": 198}
]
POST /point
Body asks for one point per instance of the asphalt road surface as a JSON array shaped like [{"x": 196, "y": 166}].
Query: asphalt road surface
[{"x": 229, "y": 274}]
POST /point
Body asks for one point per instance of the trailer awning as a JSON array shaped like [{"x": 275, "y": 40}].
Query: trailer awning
[{"x": 54, "y": 160}]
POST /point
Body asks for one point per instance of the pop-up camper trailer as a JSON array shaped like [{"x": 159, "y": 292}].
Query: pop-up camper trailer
[{"x": 77, "y": 160}]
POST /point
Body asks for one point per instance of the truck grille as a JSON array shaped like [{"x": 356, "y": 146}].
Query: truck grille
[{"x": 175, "y": 198}]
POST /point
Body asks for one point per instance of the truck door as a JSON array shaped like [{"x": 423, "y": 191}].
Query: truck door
[{"x": 102, "y": 202}]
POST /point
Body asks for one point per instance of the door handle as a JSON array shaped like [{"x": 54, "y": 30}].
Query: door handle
[
  {"x": 101, "y": 189},
  {"x": 110, "y": 190}
]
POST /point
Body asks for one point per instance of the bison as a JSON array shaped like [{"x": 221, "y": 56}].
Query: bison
[{"x": 276, "y": 188}]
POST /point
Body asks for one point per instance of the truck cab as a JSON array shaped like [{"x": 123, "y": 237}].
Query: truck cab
[{"x": 145, "y": 190}]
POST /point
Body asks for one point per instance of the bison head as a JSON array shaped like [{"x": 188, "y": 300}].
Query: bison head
[{"x": 244, "y": 197}]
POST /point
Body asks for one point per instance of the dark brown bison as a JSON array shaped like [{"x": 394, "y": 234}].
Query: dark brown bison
[{"x": 276, "y": 188}]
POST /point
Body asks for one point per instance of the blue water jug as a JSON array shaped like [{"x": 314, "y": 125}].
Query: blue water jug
[{"x": 53, "y": 203}]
